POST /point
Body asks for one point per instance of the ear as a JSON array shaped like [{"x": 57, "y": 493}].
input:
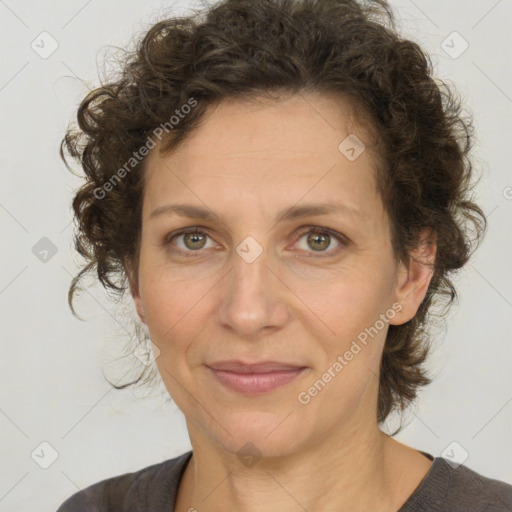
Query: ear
[
  {"x": 412, "y": 283},
  {"x": 135, "y": 293},
  {"x": 138, "y": 304}
]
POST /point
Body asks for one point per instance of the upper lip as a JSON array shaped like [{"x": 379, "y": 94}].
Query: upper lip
[{"x": 260, "y": 367}]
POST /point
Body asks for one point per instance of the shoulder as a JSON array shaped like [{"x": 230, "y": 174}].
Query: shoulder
[
  {"x": 131, "y": 491},
  {"x": 477, "y": 491},
  {"x": 457, "y": 488}
]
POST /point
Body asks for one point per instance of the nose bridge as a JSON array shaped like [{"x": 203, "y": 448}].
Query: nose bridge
[{"x": 251, "y": 299}]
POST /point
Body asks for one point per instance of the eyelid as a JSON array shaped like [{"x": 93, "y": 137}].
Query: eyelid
[{"x": 341, "y": 238}]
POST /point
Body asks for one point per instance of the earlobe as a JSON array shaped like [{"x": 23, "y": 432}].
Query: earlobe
[{"x": 413, "y": 282}]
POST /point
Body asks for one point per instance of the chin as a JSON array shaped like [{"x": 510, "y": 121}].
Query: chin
[{"x": 264, "y": 433}]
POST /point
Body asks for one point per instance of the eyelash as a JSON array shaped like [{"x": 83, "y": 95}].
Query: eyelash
[{"x": 308, "y": 229}]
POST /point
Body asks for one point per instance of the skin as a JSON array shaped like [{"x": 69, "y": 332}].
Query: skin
[{"x": 246, "y": 162}]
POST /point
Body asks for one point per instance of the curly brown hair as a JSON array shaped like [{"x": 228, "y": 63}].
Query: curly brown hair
[{"x": 249, "y": 48}]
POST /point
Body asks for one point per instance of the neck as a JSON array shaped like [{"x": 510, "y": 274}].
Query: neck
[{"x": 354, "y": 471}]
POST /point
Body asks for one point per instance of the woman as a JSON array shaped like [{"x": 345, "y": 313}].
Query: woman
[{"x": 284, "y": 189}]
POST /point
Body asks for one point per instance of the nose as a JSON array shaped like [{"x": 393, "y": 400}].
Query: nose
[{"x": 253, "y": 298}]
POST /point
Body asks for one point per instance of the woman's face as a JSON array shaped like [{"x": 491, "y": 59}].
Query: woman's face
[{"x": 251, "y": 286}]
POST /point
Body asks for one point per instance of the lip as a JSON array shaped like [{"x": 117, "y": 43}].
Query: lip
[
  {"x": 238, "y": 366},
  {"x": 255, "y": 378}
]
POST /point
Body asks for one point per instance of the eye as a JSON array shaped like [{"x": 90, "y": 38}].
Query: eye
[
  {"x": 319, "y": 239},
  {"x": 194, "y": 239}
]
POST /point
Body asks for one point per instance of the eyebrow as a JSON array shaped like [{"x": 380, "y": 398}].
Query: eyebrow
[{"x": 288, "y": 214}]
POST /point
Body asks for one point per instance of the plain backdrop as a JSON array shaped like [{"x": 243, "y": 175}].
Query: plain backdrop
[{"x": 53, "y": 390}]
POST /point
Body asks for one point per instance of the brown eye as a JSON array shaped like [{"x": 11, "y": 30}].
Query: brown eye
[
  {"x": 194, "y": 240},
  {"x": 319, "y": 240},
  {"x": 188, "y": 240}
]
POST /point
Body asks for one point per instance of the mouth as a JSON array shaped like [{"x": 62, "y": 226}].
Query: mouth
[{"x": 254, "y": 378}]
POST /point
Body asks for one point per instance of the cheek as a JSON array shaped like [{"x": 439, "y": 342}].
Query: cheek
[
  {"x": 344, "y": 299},
  {"x": 170, "y": 308},
  {"x": 175, "y": 316},
  {"x": 345, "y": 320},
  {"x": 350, "y": 341}
]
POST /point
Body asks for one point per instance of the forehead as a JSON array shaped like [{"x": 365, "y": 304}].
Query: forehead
[
  {"x": 276, "y": 125},
  {"x": 266, "y": 153}
]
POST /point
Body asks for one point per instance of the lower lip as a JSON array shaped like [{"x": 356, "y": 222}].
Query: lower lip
[{"x": 256, "y": 383}]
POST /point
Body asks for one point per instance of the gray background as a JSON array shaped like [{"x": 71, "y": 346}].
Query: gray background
[{"x": 53, "y": 388}]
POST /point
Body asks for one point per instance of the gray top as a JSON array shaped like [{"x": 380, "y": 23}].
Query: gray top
[{"x": 154, "y": 488}]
